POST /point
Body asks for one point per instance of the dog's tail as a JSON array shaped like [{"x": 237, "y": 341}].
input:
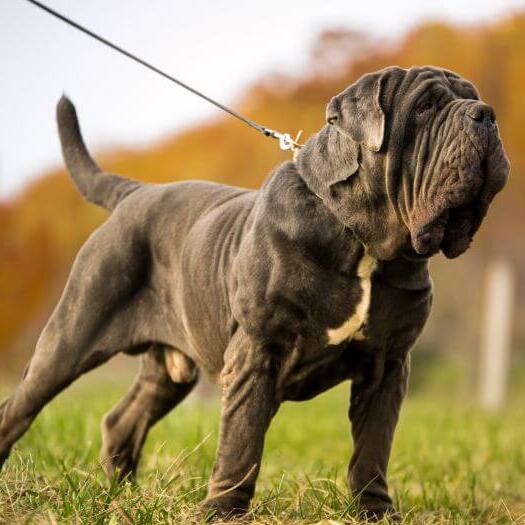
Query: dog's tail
[{"x": 95, "y": 185}]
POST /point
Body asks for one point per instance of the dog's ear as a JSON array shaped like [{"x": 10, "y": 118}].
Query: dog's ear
[
  {"x": 357, "y": 111},
  {"x": 326, "y": 159},
  {"x": 332, "y": 155}
]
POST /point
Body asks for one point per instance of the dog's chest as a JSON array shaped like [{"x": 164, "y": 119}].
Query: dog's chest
[{"x": 352, "y": 327}]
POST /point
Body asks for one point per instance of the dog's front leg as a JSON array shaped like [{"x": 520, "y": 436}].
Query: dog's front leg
[
  {"x": 248, "y": 404},
  {"x": 374, "y": 413}
]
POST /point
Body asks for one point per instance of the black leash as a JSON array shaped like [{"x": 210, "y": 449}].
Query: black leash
[{"x": 285, "y": 140}]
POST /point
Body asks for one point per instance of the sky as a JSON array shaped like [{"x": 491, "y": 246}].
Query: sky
[{"x": 217, "y": 46}]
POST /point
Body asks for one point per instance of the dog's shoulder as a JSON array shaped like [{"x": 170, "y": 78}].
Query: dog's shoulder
[{"x": 294, "y": 253}]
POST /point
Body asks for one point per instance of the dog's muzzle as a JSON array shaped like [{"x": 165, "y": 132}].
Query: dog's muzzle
[{"x": 451, "y": 227}]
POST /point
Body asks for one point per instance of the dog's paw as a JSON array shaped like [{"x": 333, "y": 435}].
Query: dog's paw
[{"x": 226, "y": 507}]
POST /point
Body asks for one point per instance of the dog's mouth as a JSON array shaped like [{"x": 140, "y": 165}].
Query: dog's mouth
[
  {"x": 450, "y": 230},
  {"x": 463, "y": 222},
  {"x": 452, "y": 227},
  {"x": 450, "y": 222}
]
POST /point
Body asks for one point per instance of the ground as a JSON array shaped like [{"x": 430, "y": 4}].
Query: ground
[{"x": 451, "y": 463}]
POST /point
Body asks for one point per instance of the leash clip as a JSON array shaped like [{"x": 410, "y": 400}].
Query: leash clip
[{"x": 285, "y": 139}]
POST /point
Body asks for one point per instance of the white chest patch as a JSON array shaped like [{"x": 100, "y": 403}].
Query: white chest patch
[{"x": 350, "y": 329}]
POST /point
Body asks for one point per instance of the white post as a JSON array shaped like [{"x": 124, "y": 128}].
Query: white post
[{"x": 496, "y": 334}]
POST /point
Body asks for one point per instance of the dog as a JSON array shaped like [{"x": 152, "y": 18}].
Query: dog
[{"x": 318, "y": 277}]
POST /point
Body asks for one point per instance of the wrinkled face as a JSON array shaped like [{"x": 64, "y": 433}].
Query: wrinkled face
[{"x": 410, "y": 161}]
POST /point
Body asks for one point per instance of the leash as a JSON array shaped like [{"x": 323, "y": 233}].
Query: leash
[{"x": 285, "y": 140}]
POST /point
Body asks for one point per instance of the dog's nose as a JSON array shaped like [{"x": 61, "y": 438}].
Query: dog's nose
[
  {"x": 332, "y": 111},
  {"x": 481, "y": 112}
]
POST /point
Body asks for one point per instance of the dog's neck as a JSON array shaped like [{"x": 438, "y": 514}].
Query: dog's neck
[
  {"x": 399, "y": 273},
  {"x": 404, "y": 274}
]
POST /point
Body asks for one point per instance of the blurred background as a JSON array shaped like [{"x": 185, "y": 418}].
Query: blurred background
[{"x": 278, "y": 63}]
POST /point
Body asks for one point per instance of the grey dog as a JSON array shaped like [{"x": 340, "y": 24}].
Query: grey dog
[{"x": 320, "y": 276}]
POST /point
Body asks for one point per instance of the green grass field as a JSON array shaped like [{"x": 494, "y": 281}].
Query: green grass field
[{"x": 451, "y": 463}]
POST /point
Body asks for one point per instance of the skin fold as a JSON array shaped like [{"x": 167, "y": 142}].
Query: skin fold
[{"x": 249, "y": 287}]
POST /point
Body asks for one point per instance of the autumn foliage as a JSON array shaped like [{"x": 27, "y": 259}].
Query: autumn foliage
[{"x": 43, "y": 227}]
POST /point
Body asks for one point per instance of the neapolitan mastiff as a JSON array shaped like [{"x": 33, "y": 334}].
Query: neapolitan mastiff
[{"x": 318, "y": 277}]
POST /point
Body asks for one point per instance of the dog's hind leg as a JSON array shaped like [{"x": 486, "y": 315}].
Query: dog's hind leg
[
  {"x": 104, "y": 309},
  {"x": 165, "y": 378}
]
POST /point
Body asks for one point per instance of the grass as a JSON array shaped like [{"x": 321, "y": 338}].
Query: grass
[{"x": 451, "y": 463}]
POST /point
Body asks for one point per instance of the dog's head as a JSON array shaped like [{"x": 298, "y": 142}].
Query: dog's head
[{"x": 409, "y": 160}]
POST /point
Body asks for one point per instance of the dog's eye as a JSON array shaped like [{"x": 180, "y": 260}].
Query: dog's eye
[{"x": 423, "y": 108}]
